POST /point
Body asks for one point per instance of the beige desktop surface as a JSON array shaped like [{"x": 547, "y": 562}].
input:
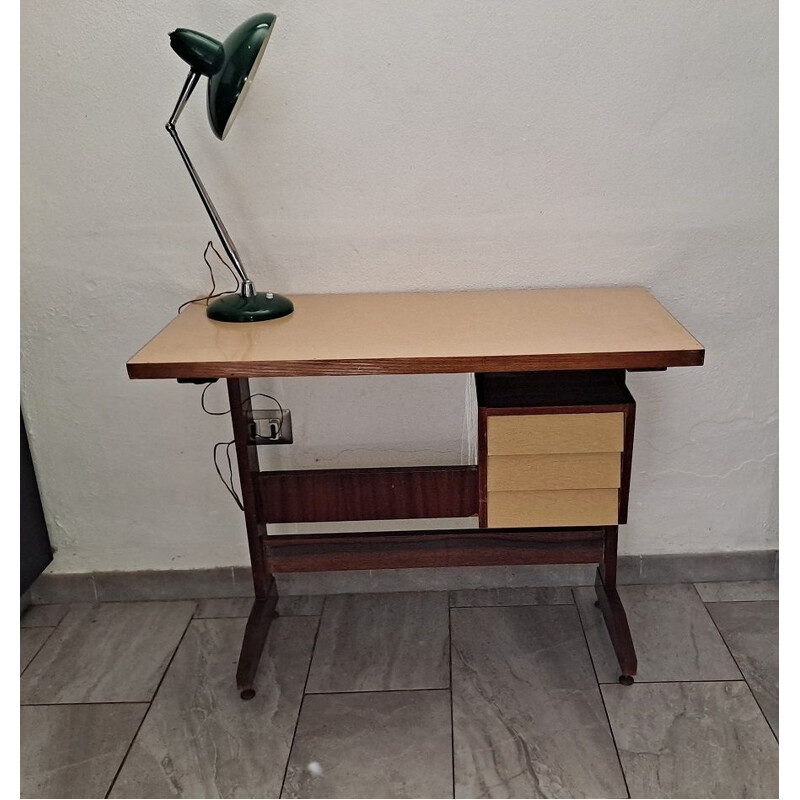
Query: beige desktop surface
[{"x": 427, "y": 332}]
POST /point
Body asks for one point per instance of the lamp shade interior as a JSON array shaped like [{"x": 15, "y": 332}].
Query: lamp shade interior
[{"x": 227, "y": 88}]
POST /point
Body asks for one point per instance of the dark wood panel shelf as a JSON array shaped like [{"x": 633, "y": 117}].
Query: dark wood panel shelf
[
  {"x": 553, "y": 389},
  {"x": 337, "y": 495}
]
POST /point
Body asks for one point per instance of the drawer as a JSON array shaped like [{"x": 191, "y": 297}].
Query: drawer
[
  {"x": 530, "y": 434},
  {"x": 552, "y": 508},
  {"x": 553, "y": 471}
]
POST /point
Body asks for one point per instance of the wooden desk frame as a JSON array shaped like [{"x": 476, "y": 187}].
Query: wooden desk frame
[
  {"x": 582, "y": 330},
  {"x": 454, "y": 493}
]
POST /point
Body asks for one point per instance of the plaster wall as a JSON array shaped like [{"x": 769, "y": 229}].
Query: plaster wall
[{"x": 461, "y": 144}]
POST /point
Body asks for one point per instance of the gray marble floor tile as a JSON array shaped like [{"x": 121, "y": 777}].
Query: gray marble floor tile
[
  {"x": 30, "y": 642},
  {"x": 300, "y": 605},
  {"x": 737, "y": 590},
  {"x": 74, "y": 750},
  {"x": 113, "y": 652},
  {"x": 43, "y": 616},
  {"x": 223, "y": 607},
  {"x": 751, "y": 632},
  {"x": 693, "y": 740},
  {"x": 288, "y": 606},
  {"x": 373, "y": 744},
  {"x": 528, "y": 719},
  {"x": 533, "y": 596},
  {"x": 375, "y": 642},
  {"x": 200, "y": 739},
  {"x": 674, "y": 636}
]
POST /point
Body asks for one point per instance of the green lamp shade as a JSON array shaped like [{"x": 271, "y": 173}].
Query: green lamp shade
[{"x": 228, "y": 86}]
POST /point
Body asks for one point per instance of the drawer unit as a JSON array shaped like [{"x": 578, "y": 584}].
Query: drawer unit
[{"x": 554, "y": 463}]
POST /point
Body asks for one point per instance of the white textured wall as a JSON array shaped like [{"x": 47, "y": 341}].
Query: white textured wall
[{"x": 393, "y": 147}]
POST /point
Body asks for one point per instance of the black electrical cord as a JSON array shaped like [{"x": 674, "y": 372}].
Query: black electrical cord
[
  {"x": 230, "y": 268},
  {"x": 213, "y": 293},
  {"x": 228, "y": 484},
  {"x": 256, "y": 394}
]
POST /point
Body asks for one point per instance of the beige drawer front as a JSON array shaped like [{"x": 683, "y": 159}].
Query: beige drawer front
[
  {"x": 559, "y": 471},
  {"x": 529, "y": 434},
  {"x": 552, "y": 508}
]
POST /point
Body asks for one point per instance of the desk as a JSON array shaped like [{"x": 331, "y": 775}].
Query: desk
[{"x": 555, "y": 430}]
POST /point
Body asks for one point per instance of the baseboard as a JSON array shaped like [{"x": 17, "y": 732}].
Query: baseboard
[{"x": 236, "y": 581}]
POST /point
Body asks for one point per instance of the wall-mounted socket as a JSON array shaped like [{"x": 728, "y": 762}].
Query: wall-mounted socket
[{"x": 271, "y": 426}]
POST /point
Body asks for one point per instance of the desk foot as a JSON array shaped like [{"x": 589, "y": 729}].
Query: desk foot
[
  {"x": 255, "y": 637},
  {"x": 618, "y": 630}
]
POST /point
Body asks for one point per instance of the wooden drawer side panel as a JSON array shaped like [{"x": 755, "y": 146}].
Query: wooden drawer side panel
[
  {"x": 532, "y": 434},
  {"x": 553, "y": 508},
  {"x": 558, "y": 471}
]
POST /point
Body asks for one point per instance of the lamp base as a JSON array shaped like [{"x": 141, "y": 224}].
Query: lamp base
[{"x": 258, "y": 308}]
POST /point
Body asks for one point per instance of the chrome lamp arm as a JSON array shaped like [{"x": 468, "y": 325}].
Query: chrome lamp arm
[{"x": 246, "y": 288}]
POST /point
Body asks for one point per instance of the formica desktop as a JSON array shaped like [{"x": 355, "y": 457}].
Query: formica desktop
[{"x": 555, "y": 430}]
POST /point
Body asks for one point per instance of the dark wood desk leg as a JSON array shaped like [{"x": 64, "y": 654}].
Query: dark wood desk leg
[
  {"x": 255, "y": 637},
  {"x": 605, "y": 586},
  {"x": 266, "y": 593}
]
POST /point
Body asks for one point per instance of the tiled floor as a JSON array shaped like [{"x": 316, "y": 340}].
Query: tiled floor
[{"x": 479, "y": 693}]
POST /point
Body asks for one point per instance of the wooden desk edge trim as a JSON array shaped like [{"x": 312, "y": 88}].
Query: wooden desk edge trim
[{"x": 417, "y": 366}]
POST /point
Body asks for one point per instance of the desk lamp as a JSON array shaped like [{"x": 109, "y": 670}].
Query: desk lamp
[{"x": 229, "y": 67}]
